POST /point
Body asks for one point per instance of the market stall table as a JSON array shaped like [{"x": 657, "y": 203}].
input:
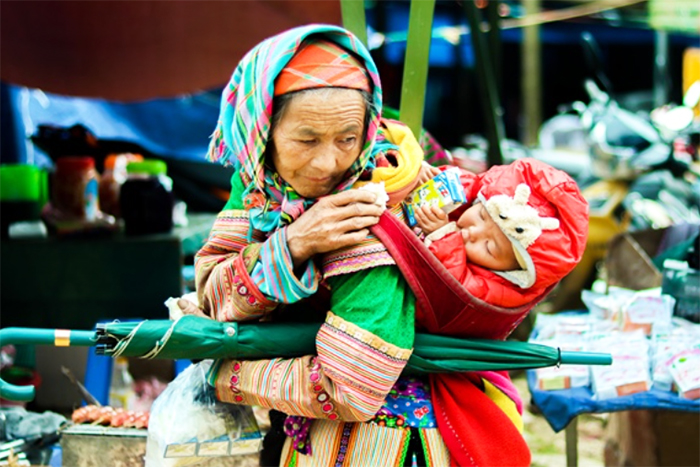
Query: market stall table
[{"x": 561, "y": 407}]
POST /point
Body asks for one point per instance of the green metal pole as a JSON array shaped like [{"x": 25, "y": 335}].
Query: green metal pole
[
  {"x": 57, "y": 337},
  {"x": 353, "y": 13},
  {"x": 493, "y": 17},
  {"x": 493, "y": 112},
  {"x": 571, "y": 437},
  {"x": 415, "y": 72},
  {"x": 531, "y": 77}
]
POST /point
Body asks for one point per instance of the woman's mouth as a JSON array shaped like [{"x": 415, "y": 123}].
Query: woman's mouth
[{"x": 320, "y": 180}]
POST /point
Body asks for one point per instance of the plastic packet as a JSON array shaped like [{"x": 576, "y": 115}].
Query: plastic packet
[
  {"x": 685, "y": 371},
  {"x": 189, "y": 426},
  {"x": 644, "y": 310},
  {"x": 630, "y": 370},
  {"x": 444, "y": 191}
]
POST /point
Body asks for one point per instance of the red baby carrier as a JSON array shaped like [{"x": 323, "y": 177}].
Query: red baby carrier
[
  {"x": 475, "y": 430},
  {"x": 444, "y": 305}
]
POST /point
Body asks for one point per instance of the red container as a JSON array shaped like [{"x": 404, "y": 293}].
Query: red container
[{"x": 75, "y": 188}]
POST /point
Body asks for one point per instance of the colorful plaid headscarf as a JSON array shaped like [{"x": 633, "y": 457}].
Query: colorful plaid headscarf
[{"x": 242, "y": 132}]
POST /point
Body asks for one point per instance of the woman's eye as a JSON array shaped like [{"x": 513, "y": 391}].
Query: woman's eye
[
  {"x": 349, "y": 140},
  {"x": 306, "y": 141}
]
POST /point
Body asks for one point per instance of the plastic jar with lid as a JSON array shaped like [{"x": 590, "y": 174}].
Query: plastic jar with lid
[
  {"x": 146, "y": 198},
  {"x": 113, "y": 177},
  {"x": 22, "y": 194},
  {"x": 74, "y": 191}
]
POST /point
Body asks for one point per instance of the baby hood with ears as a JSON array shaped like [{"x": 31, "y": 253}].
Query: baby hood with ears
[{"x": 543, "y": 214}]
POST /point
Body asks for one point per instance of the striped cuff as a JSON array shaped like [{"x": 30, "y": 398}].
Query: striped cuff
[{"x": 274, "y": 272}]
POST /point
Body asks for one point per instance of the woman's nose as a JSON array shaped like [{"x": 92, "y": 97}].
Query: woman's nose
[{"x": 323, "y": 159}]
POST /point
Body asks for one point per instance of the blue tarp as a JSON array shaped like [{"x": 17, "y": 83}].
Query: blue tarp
[
  {"x": 177, "y": 128},
  {"x": 560, "y": 406}
]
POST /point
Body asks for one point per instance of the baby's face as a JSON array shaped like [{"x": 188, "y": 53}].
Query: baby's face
[{"x": 485, "y": 243}]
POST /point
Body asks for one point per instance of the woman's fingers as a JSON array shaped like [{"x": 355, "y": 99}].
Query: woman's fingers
[
  {"x": 349, "y": 197},
  {"x": 189, "y": 308},
  {"x": 334, "y": 222},
  {"x": 353, "y": 203}
]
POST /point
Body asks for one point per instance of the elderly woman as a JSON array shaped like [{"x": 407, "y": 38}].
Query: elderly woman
[{"x": 300, "y": 121}]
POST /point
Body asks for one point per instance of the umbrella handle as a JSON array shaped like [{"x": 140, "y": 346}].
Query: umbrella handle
[
  {"x": 56, "y": 337},
  {"x": 584, "y": 358}
]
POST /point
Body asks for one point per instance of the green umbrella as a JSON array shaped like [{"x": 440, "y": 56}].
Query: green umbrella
[{"x": 193, "y": 337}]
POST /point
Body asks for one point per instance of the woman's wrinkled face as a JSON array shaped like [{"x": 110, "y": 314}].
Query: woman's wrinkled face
[
  {"x": 485, "y": 243},
  {"x": 317, "y": 139}
]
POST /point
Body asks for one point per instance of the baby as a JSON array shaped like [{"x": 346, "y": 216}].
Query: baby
[{"x": 524, "y": 228}]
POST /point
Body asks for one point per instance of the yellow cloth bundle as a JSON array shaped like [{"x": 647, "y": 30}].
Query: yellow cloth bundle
[{"x": 401, "y": 178}]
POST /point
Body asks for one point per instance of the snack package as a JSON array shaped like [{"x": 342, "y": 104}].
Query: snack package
[
  {"x": 444, "y": 191},
  {"x": 644, "y": 310},
  {"x": 630, "y": 370},
  {"x": 188, "y": 426},
  {"x": 667, "y": 341},
  {"x": 685, "y": 371}
]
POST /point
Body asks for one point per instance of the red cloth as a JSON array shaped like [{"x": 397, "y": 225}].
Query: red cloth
[
  {"x": 449, "y": 250},
  {"x": 476, "y": 431}
]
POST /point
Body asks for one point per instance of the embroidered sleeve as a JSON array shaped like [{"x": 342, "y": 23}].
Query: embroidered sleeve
[
  {"x": 222, "y": 271},
  {"x": 274, "y": 272},
  {"x": 348, "y": 379},
  {"x": 361, "y": 350}
]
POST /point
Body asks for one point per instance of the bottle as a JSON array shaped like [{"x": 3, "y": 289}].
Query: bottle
[
  {"x": 75, "y": 188},
  {"x": 121, "y": 389},
  {"x": 113, "y": 177},
  {"x": 146, "y": 198}
]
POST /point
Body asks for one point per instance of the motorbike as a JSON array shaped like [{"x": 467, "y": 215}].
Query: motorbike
[{"x": 642, "y": 169}]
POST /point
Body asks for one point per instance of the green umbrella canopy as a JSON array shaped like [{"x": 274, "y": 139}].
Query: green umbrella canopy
[{"x": 193, "y": 337}]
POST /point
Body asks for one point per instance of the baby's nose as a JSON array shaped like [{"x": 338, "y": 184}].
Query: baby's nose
[
  {"x": 470, "y": 234},
  {"x": 475, "y": 232}
]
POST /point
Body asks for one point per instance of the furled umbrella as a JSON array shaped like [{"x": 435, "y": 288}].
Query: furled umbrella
[{"x": 193, "y": 337}]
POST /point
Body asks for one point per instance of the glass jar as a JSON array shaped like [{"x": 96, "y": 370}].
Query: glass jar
[
  {"x": 74, "y": 192},
  {"x": 146, "y": 198}
]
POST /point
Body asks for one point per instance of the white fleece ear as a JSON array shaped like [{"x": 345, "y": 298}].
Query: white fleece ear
[
  {"x": 516, "y": 218},
  {"x": 549, "y": 223}
]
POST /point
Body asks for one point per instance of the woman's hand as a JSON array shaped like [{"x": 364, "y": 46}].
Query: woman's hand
[
  {"x": 335, "y": 221},
  {"x": 430, "y": 218},
  {"x": 189, "y": 308}
]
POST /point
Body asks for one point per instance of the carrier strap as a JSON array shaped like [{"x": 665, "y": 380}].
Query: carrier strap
[{"x": 444, "y": 305}]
